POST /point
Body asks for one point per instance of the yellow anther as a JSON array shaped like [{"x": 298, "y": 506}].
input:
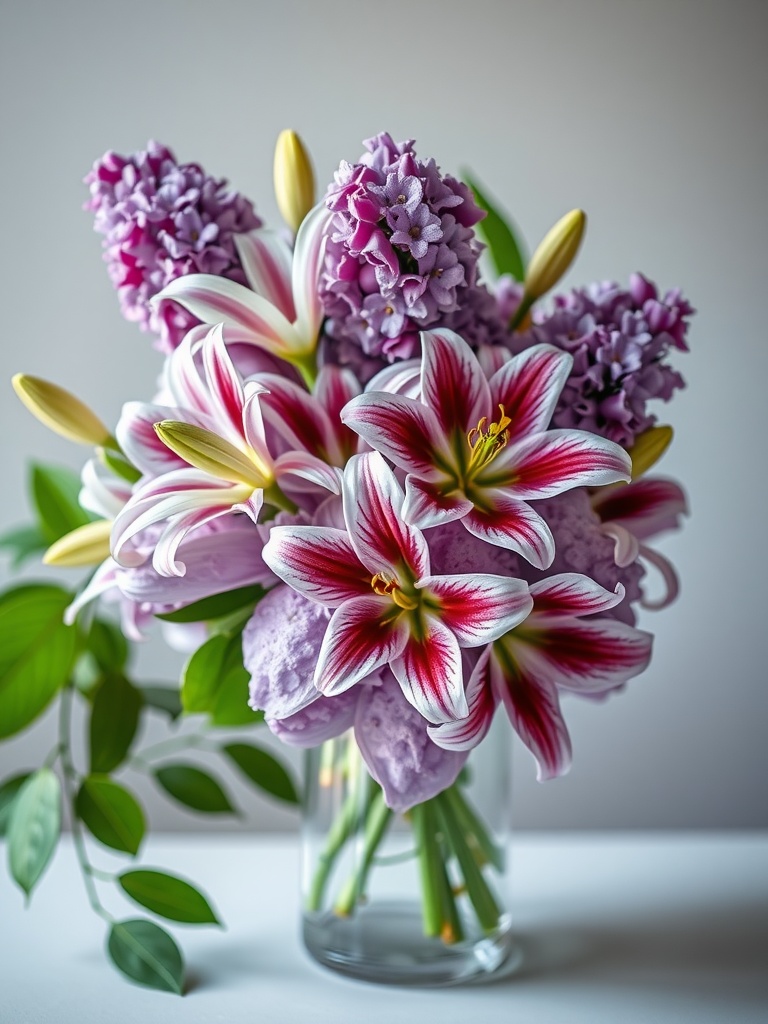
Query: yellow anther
[
  {"x": 486, "y": 441},
  {"x": 385, "y": 587}
]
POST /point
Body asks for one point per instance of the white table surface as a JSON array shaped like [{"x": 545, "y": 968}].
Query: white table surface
[{"x": 617, "y": 929}]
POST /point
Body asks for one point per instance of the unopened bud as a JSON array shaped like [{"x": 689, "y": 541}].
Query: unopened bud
[
  {"x": 554, "y": 254},
  {"x": 87, "y": 545},
  {"x": 61, "y": 412},
  {"x": 294, "y": 179},
  {"x": 648, "y": 449},
  {"x": 212, "y": 454}
]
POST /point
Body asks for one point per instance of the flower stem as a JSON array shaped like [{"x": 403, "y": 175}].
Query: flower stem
[
  {"x": 343, "y": 827},
  {"x": 70, "y": 780},
  {"x": 486, "y": 851},
  {"x": 376, "y": 822},
  {"x": 477, "y": 889}
]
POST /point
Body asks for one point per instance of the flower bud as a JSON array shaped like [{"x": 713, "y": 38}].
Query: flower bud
[
  {"x": 648, "y": 449},
  {"x": 212, "y": 454},
  {"x": 61, "y": 411},
  {"x": 87, "y": 545},
  {"x": 294, "y": 179},
  {"x": 554, "y": 254}
]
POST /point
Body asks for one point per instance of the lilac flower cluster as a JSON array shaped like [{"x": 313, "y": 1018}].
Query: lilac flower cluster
[
  {"x": 619, "y": 340},
  {"x": 402, "y": 257},
  {"x": 162, "y": 220}
]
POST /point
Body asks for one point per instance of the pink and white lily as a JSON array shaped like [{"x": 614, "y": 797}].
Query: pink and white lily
[
  {"x": 553, "y": 650},
  {"x": 218, "y": 462},
  {"x": 479, "y": 450},
  {"x": 637, "y": 512},
  {"x": 389, "y": 609},
  {"x": 281, "y": 312}
]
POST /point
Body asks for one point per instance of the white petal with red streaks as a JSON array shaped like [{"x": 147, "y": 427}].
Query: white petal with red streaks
[
  {"x": 334, "y": 388},
  {"x": 452, "y": 383},
  {"x": 404, "y": 430},
  {"x": 528, "y": 387},
  {"x": 318, "y": 562},
  {"x": 513, "y": 524},
  {"x": 478, "y": 608},
  {"x": 225, "y": 388},
  {"x": 361, "y": 637},
  {"x": 138, "y": 438},
  {"x": 430, "y": 673},
  {"x": 373, "y": 511},
  {"x": 425, "y": 506},
  {"x": 164, "y": 557},
  {"x": 308, "y": 255},
  {"x": 553, "y": 461},
  {"x": 533, "y": 706},
  {"x": 401, "y": 378},
  {"x": 570, "y": 593},
  {"x": 303, "y": 468},
  {"x": 298, "y": 416},
  {"x": 645, "y": 507},
  {"x": 267, "y": 260},
  {"x": 482, "y": 702}
]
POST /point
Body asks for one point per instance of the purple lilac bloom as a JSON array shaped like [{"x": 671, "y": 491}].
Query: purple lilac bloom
[
  {"x": 402, "y": 257},
  {"x": 162, "y": 220},
  {"x": 619, "y": 340}
]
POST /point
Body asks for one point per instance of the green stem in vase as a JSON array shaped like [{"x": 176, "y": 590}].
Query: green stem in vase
[
  {"x": 477, "y": 889},
  {"x": 440, "y": 913},
  {"x": 376, "y": 822},
  {"x": 478, "y": 837}
]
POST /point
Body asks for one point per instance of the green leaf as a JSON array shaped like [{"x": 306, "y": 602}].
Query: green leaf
[
  {"x": 111, "y": 813},
  {"x": 23, "y": 542},
  {"x": 108, "y": 645},
  {"x": 263, "y": 769},
  {"x": 163, "y": 698},
  {"x": 36, "y": 652},
  {"x": 8, "y": 792},
  {"x": 214, "y": 682},
  {"x": 168, "y": 896},
  {"x": 216, "y": 606},
  {"x": 146, "y": 953},
  {"x": 55, "y": 494},
  {"x": 194, "y": 788},
  {"x": 503, "y": 246},
  {"x": 34, "y": 828},
  {"x": 114, "y": 720},
  {"x": 122, "y": 467}
]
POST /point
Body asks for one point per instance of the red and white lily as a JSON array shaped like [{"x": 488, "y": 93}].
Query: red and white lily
[
  {"x": 219, "y": 461},
  {"x": 281, "y": 311},
  {"x": 389, "y": 609},
  {"x": 478, "y": 450},
  {"x": 552, "y": 650}
]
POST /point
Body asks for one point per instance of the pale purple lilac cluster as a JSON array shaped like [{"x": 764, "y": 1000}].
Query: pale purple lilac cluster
[
  {"x": 162, "y": 220},
  {"x": 402, "y": 257},
  {"x": 619, "y": 339}
]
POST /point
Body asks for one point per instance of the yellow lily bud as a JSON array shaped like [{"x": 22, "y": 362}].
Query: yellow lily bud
[
  {"x": 555, "y": 254},
  {"x": 294, "y": 179},
  {"x": 59, "y": 410},
  {"x": 212, "y": 454},
  {"x": 648, "y": 449},
  {"x": 87, "y": 545}
]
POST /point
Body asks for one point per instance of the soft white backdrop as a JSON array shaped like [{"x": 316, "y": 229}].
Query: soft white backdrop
[{"x": 650, "y": 115}]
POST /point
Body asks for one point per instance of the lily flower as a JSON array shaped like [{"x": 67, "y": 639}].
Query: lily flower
[
  {"x": 478, "y": 450},
  {"x": 389, "y": 609},
  {"x": 281, "y": 311},
  {"x": 226, "y": 465},
  {"x": 552, "y": 651}
]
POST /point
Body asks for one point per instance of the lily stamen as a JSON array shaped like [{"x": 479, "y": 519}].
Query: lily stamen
[
  {"x": 391, "y": 588},
  {"x": 485, "y": 442}
]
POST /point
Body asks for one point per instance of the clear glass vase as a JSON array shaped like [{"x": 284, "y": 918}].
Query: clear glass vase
[{"x": 418, "y": 898}]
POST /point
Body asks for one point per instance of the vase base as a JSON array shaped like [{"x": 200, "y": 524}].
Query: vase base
[{"x": 385, "y": 945}]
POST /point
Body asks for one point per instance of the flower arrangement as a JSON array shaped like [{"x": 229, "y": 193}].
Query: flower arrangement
[{"x": 380, "y": 498}]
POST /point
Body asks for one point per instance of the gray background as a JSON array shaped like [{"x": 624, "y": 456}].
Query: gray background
[{"x": 649, "y": 115}]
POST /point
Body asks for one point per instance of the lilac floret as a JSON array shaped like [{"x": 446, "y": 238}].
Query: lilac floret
[
  {"x": 619, "y": 340},
  {"x": 402, "y": 257},
  {"x": 162, "y": 220},
  {"x": 393, "y": 740}
]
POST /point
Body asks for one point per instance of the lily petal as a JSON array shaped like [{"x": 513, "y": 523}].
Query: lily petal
[
  {"x": 482, "y": 702},
  {"x": 626, "y": 546},
  {"x": 309, "y": 468},
  {"x": 452, "y": 383},
  {"x": 509, "y": 523},
  {"x": 361, "y": 637},
  {"x": 645, "y": 507},
  {"x": 425, "y": 506},
  {"x": 266, "y": 260},
  {"x": 430, "y": 673},
  {"x": 308, "y": 256},
  {"x": 528, "y": 387},
  {"x": 373, "y": 511},
  {"x": 478, "y": 608},
  {"x": 668, "y": 574},
  {"x": 570, "y": 593},
  {"x": 138, "y": 439},
  {"x": 401, "y": 378},
  {"x": 318, "y": 562},
  {"x": 298, "y": 417}
]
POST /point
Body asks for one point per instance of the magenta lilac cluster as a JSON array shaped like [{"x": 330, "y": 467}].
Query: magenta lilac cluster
[
  {"x": 402, "y": 257},
  {"x": 619, "y": 339},
  {"x": 162, "y": 220}
]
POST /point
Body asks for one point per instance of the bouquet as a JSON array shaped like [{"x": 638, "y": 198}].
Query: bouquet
[{"x": 382, "y": 501}]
